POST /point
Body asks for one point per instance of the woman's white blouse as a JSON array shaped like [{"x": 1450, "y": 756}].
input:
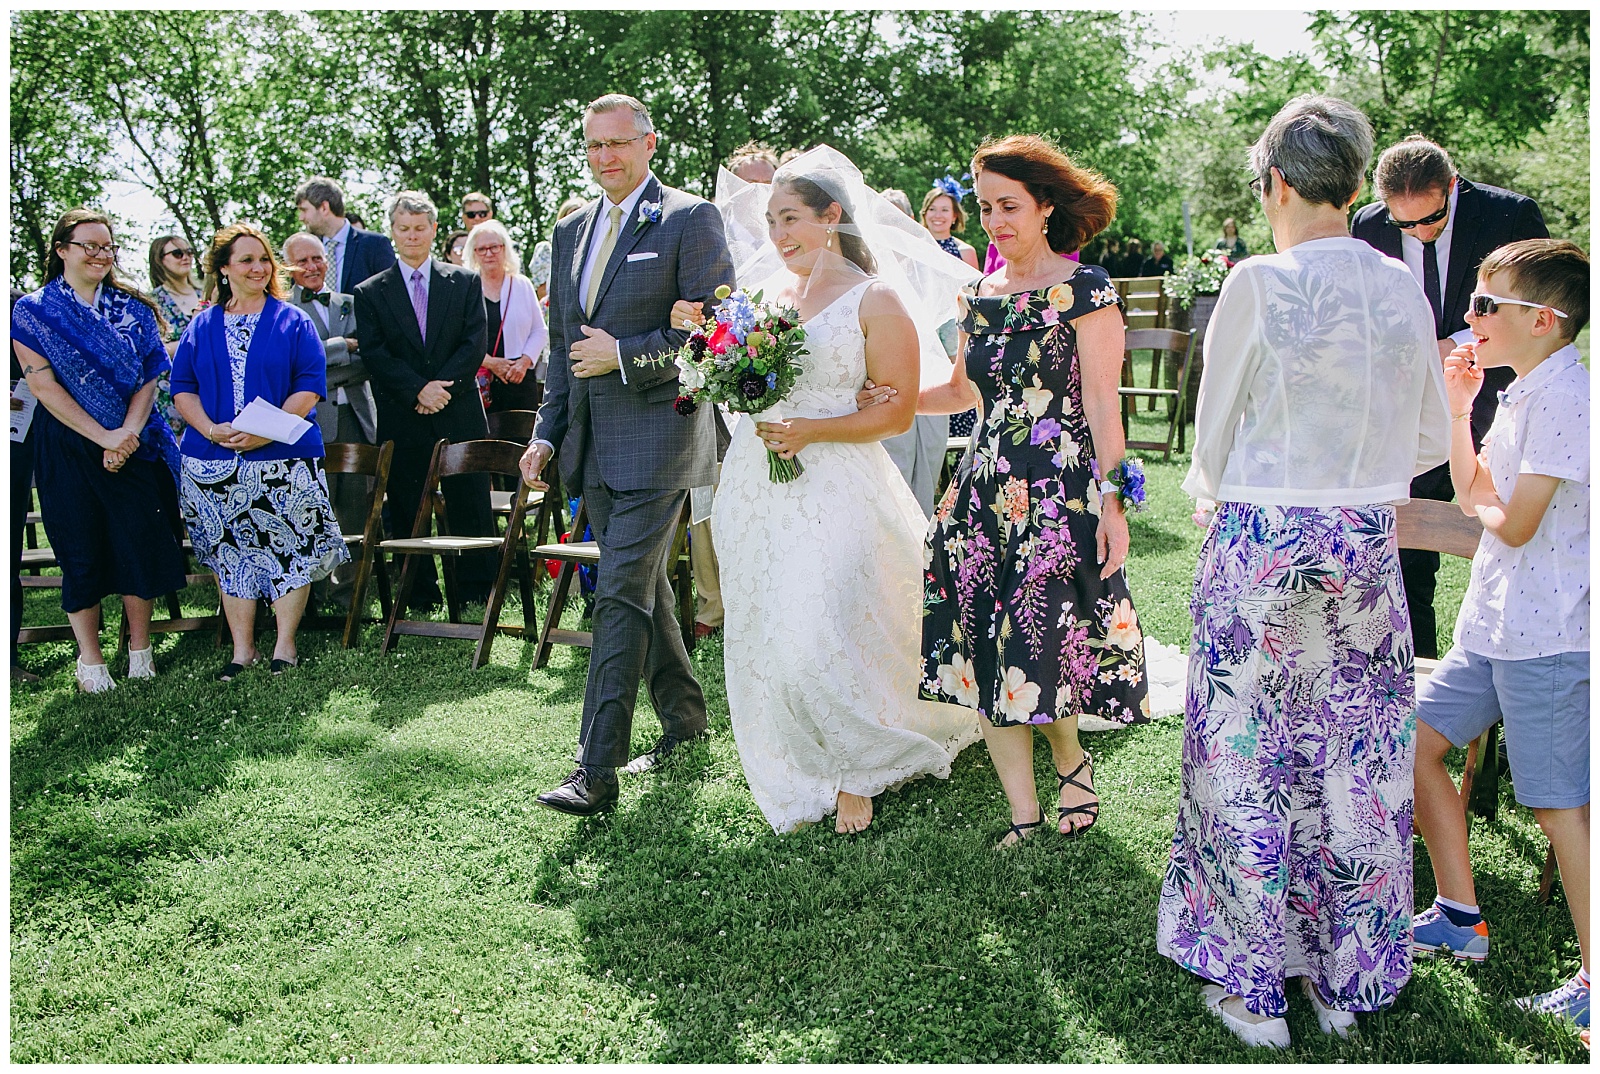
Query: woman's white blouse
[{"x": 1322, "y": 384}]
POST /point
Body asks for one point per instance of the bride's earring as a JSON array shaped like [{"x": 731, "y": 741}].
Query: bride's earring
[{"x": 829, "y": 244}]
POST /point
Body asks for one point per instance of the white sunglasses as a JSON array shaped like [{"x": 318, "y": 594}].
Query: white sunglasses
[{"x": 1488, "y": 305}]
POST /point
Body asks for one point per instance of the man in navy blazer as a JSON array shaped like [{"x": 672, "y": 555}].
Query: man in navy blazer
[
  {"x": 422, "y": 325},
  {"x": 354, "y": 255},
  {"x": 1442, "y": 227}
]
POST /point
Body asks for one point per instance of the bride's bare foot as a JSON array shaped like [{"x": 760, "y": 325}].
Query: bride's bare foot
[{"x": 855, "y": 813}]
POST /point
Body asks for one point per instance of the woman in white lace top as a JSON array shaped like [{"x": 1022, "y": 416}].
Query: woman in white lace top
[{"x": 1322, "y": 396}]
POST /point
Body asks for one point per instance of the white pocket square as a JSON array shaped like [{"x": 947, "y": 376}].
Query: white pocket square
[{"x": 647, "y": 255}]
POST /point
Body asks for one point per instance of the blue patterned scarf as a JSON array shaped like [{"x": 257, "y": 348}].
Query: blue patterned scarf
[{"x": 93, "y": 355}]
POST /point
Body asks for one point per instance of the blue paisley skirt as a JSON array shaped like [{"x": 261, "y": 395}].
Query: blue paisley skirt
[{"x": 266, "y": 528}]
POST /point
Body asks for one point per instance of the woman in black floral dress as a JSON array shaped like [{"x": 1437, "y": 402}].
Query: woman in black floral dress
[{"x": 1027, "y": 615}]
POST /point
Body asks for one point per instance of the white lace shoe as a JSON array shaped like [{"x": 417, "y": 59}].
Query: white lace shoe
[
  {"x": 94, "y": 678},
  {"x": 142, "y": 663},
  {"x": 1338, "y": 1023},
  {"x": 1256, "y": 1030}
]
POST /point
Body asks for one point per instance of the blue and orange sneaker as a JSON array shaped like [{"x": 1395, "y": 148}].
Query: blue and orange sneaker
[
  {"x": 1432, "y": 933},
  {"x": 1570, "y": 1001}
]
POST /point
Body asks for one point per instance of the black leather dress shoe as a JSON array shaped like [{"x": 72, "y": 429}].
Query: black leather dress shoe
[
  {"x": 658, "y": 753},
  {"x": 583, "y": 794}
]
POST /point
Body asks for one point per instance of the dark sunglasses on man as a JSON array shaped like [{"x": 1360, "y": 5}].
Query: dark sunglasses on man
[
  {"x": 475, "y": 214},
  {"x": 1431, "y": 218}
]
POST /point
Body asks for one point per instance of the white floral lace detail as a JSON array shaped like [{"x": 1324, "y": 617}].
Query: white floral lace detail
[{"x": 822, "y": 585}]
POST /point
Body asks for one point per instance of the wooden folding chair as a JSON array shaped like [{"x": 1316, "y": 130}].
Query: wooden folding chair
[
  {"x": 1159, "y": 341},
  {"x": 361, "y": 460},
  {"x": 1437, "y": 526},
  {"x": 574, "y": 554},
  {"x": 516, "y": 426},
  {"x": 455, "y": 460}
]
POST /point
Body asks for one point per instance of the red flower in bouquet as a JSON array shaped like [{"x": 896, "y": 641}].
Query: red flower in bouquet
[{"x": 721, "y": 340}]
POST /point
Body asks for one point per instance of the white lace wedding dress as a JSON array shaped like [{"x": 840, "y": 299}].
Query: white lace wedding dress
[{"x": 822, "y": 586}]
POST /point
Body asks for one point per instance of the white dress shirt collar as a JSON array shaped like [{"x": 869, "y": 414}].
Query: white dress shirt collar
[{"x": 1411, "y": 246}]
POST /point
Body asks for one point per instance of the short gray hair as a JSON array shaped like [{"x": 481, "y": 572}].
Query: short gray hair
[
  {"x": 1414, "y": 166},
  {"x": 413, "y": 201},
  {"x": 612, "y": 102},
  {"x": 297, "y": 236},
  {"x": 1321, "y": 145}
]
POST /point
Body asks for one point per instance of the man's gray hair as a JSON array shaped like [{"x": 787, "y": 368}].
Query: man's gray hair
[
  {"x": 297, "y": 236},
  {"x": 413, "y": 201},
  {"x": 612, "y": 102},
  {"x": 1321, "y": 145},
  {"x": 1414, "y": 166}
]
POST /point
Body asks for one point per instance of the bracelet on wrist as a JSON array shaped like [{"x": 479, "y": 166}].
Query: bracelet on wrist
[{"x": 1461, "y": 417}]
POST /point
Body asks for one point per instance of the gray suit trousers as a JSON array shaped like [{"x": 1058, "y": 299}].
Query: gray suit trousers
[{"x": 635, "y": 624}]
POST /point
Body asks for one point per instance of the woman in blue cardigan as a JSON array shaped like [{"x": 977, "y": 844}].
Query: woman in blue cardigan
[{"x": 257, "y": 510}]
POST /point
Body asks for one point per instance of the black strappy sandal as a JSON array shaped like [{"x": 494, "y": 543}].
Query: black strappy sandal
[
  {"x": 1088, "y": 809},
  {"x": 1021, "y": 830}
]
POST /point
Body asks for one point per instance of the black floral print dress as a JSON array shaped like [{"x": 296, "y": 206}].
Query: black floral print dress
[{"x": 1017, "y": 622}]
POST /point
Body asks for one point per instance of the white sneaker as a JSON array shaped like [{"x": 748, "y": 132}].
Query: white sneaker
[
  {"x": 1254, "y": 1029},
  {"x": 94, "y": 678},
  {"x": 142, "y": 663},
  {"x": 1338, "y": 1023}
]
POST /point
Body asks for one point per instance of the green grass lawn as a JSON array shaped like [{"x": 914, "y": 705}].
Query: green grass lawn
[{"x": 347, "y": 862}]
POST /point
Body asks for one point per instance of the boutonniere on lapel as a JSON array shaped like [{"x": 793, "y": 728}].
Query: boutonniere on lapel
[{"x": 649, "y": 213}]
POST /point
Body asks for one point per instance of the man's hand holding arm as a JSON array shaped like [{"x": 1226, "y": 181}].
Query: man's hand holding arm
[{"x": 704, "y": 264}]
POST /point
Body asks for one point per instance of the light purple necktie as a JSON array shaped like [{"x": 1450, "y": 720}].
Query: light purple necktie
[{"x": 419, "y": 303}]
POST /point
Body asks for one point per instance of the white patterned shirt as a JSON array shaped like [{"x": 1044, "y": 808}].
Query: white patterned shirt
[
  {"x": 1533, "y": 601},
  {"x": 1322, "y": 385}
]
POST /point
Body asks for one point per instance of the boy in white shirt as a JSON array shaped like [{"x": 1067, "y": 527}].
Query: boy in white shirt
[{"x": 1521, "y": 649}]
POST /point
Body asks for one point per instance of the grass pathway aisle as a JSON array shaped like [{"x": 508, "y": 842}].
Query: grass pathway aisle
[{"x": 346, "y": 864}]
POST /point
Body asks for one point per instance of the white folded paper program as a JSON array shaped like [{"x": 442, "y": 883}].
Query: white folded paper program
[
  {"x": 22, "y": 407},
  {"x": 261, "y": 418}
]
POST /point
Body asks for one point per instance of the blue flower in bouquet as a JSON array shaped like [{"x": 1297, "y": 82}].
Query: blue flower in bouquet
[
  {"x": 738, "y": 313},
  {"x": 649, "y": 213},
  {"x": 772, "y": 381}
]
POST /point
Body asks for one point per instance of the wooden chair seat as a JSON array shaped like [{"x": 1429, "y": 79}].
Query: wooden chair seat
[
  {"x": 583, "y": 553},
  {"x": 492, "y": 457},
  {"x": 38, "y": 557},
  {"x": 500, "y": 502},
  {"x": 440, "y": 546},
  {"x": 1158, "y": 341}
]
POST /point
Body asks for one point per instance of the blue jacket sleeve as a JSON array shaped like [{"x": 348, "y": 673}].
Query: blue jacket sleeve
[{"x": 184, "y": 377}]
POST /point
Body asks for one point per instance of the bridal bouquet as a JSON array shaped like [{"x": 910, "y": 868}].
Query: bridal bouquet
[{"x": 745, "y": 357}]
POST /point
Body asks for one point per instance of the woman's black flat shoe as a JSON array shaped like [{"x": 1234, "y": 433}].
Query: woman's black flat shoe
[
  {"x": 280, "y": 666},
  {"x": 1088, "y": 809},
  {"x": 229, "y": 670}
]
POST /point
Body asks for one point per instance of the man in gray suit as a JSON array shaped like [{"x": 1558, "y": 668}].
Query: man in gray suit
[
  {"x": 617, "y": 267},
  {"x": 348, "y": 414}
]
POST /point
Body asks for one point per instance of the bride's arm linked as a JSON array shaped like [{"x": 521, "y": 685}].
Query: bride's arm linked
[
  {"x": 892, "y": 359},
  {"x": 954, "y": 396}
]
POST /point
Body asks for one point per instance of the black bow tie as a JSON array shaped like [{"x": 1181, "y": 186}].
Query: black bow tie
[{"x": 325, "y": 297}]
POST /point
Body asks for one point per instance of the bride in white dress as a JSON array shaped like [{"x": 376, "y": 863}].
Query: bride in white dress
[{"x": 822, "y": 576}]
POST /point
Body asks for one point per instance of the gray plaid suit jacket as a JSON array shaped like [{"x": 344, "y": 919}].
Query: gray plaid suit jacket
[{"x": 628, "y": 435}]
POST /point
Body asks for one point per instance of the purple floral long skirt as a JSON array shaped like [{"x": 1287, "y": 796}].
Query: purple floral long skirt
[{"x": 1292, "y": 855}]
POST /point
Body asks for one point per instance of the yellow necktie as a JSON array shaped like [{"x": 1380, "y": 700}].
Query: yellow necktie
[{"x": 597, "y": 273}]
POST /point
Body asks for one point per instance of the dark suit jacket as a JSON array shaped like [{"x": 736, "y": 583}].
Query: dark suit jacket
[
  {"x": 627, "y": 434},
  {"x": 365, "y": 255},
  {"x": 401, "y": 363},
  {"x": 1487, "y": 218}
]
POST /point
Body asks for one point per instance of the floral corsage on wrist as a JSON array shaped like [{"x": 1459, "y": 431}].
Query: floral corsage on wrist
[{"x": 1125, "y": 482}]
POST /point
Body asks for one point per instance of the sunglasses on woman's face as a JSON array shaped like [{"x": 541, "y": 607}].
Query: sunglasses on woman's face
[
  {"x": 1488, "y": 305},
  {"x": 179, "y": 252}
]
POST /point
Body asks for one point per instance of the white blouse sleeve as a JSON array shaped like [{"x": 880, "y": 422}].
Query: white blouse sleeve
[
  {"x": 1433, "y": 428},
  {"x": 1232, "y": 353}
]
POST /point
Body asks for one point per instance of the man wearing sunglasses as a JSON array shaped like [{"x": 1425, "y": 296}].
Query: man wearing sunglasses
[
  {"x": 1442, "y": 227},
  {"x": 475, "y": 209}
]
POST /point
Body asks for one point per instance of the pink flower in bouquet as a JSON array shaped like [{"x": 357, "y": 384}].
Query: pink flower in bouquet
[{"x": 721, "y": 339}]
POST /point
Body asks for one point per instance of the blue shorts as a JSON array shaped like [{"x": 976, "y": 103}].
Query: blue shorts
[{"x": 1545, "y": 705}]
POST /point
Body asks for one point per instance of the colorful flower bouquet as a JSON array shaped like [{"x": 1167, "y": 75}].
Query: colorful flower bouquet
[
  {"x": 1199, "y": 275},
  {"x": 747, "y": 358}
]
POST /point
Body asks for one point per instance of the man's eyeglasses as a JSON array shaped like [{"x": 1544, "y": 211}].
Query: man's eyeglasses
[
  {"x": 475, "y": 214},
  {"x": 95, "y": 249},
  {"x": 1257, "y": 185},
  {"x": 179, "y": 252},
  {"x": 612, "y": 143},
  {"x": 1489, "y": 305},
  {"x": 1431, "y": 218}
]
